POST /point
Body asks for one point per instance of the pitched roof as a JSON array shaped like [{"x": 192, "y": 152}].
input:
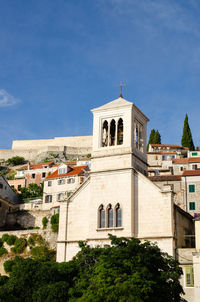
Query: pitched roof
[
  {"x": 165, "y": 178},
  {"x": 36, "y": 166},
  {"x": 186, "y": 160},
  {"x": 75, "y": 171},
  {"x": 120, "y": 102},
  {"x": 166, "y": 145},
  {"x": 191, "y": 173}
]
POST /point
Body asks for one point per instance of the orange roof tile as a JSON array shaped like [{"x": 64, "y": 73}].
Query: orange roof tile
[
  {"x": 191, "y": 173},
  {"x": 35, "y": 166},
  {"x": 75, "y": 171},
  {"x": 186, "y": 160},
  {"x": 165, "y": 178},
  {"x": 166, "y": 145}
]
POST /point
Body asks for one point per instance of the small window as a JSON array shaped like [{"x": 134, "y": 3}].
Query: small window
[
  {"x": 48, "y": 198},
  {"x": 181, "y": 168},
  {"x": 194, "y": 167},
  {"x": 189, "y": 276},
  {"x": 1, "y": 186},
  {"x": 102, "y": 217},
  {"x": 60, "y": 196},
  {"x": 33, "y": 175},
  {"x": 192, "y": 206},
  {"x": 191, "y": 188},
  {"x": 0, "y": 204},
  {"x": 43, "y": 175},
  {"x": 49, "y": 183},
  {"x": 70, "y": 180},
  {"x": 194, "y": 153},
  {"x": 62, "y": 171},
  {"x": 118, "y": 216},
  {"x": 110, "y": 216},
  {"x": 19, "y": 187},
  {"x": 155, "y": 157},
  {"x": 163, "y": 157},
  {"x": 61, "y": 182}
]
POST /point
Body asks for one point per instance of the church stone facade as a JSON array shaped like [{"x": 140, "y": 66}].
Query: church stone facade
[{"x": 117, "y": 197}]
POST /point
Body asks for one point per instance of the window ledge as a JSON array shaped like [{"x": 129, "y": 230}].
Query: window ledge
[{"x": 109, "y": 229}]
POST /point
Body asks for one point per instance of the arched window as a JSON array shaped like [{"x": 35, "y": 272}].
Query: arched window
[
  {"x": 110, "y": 216},
  {"x": 112, "y": 132},
  {"x": 102, "y": 217},
  {"x": 118, "y": 213},
  {"x": 105, "y": 134},
  {"x": 120, "y": 132}
]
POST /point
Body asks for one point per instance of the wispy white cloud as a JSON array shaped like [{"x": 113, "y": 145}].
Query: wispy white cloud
[{"x": 6, "y": 99}]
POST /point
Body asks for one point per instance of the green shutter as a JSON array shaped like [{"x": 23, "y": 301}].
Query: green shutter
[
  {"x": 189, "y": 276},
  {"x": 191, "y": 188},
  {"x": 194, "y": 153},
  {"x": 192, "y": 206}
]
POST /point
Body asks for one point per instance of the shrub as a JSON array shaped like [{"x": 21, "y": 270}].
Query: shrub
[
  {"x": 5, "y": 237},
  {"x": 54, "y": 222},
  {"x": 1, "y": 242},
  {"x": 44, "y": 222},
  {"x": 31, "y": 241},
  {"x": 3, "y": 251},
  {"x": 16, "y": 160},
  {"x": 19, "y": 246},
  {"x": 11, "y": 240}
]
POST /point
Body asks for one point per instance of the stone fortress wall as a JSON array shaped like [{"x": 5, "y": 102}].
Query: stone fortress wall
[{"x": 30, "y": 149}]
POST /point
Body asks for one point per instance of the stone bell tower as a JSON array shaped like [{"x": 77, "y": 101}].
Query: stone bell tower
[{"x": 119, "y": 137}]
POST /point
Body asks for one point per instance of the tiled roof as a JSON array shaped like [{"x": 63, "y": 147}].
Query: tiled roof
[
  {"x": 75, "y": 171},
  {"x": 161, "y": 152},
  {"x": 165, "y": 178},
  {"x": 186, "y": 160},
  {"x": 36, "y": 166},
  {"x": 191, "y": 173},
  {"x": 166, "y": 145}
]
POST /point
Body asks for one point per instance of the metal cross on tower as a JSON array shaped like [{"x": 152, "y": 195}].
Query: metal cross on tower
[{"x": 121, "y": 85}]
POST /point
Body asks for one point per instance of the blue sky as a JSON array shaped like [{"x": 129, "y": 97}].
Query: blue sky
[{"x": 59, "y": 59}]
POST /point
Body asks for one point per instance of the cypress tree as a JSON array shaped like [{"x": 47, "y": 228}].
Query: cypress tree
[
  {"x": 154, "y": 138},
  {"x": 187, "y": 140}
]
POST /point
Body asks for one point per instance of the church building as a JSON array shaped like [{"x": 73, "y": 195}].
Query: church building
[{"x": 117, "y": 197}]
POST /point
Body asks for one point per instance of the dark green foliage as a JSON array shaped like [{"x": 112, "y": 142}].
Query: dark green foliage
[
  {"x": 35, "y": 280},
  {"x": 125, "y": 271},
  {"x": 11, "y": 240},
  {"x": 44, "y": 222},
  {"x": 16, "y": 160},
  {"x": 3, "y": 251},
  {"x": 4, "y": 237},
  {"x": 154, "y": 138},
  {"x": 31, "y": 241},
  {"x": 19, "y": 246},
  {"x": 43, "y": 252},
  {"x": 187, "y": 140},
  {"x": 32, "y": 191},
  {"x": 1, "y": 242},
  {"x": 3, "y": 280},
  {"x": 54, "y": 222}
]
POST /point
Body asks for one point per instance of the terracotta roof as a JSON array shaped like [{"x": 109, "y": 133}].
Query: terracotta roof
[
  {"x": 36, "y": 166},
  {"x": 75, "y": 171},
  {"x": 160, "y": 152},
  {"x": 166, "y": 145},
  {"x": 186, "y": 160},
  {"x": 191, "y": 173},
  {"x": 165, "y": 178}
]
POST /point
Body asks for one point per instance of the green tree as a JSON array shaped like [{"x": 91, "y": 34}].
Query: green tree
[
  {"x": 154, "y": 138},
  {"x": 125, "y": 271},
  {"x": 187, "y": 140},
  {"x": 33, "y": 190},
  {"x": 16, "y": 160}
]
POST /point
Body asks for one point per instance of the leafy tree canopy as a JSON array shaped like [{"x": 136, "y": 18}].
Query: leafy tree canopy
[
  {"x": 33, "y": 190},
  {"x": 187, "y": 140},
  {"x": 125, "y": 271},
  {"x": 16, "y": 160}
]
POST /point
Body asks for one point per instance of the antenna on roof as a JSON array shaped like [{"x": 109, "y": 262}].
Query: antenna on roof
[{"x": 121, "y": 85}]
